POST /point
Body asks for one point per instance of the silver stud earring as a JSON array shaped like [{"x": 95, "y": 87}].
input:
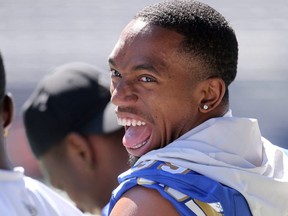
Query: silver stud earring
[{"x": 205, "y": 107}]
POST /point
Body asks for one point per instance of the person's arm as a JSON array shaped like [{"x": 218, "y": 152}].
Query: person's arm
[{"x": 141, "y": 201}]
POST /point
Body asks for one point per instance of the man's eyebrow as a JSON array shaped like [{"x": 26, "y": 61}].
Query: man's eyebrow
[
  {"x": 139, "y": 67},
  {"x": 148, "y": 67},
  {"x": 111, "y": 62}
]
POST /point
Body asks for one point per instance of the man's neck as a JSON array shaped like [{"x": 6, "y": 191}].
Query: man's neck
[{"x": 5, "y": 163}]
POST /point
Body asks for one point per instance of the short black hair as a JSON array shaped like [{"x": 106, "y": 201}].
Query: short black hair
[
  {"x": 2, "y": 80},
  {"x": 207, "y": 34}
]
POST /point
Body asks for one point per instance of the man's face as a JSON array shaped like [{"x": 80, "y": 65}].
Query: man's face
[
  {"x": 153, "y": 87},
  {"x": 64, "y": 174}
]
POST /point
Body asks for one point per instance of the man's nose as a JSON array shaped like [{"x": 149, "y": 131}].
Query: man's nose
[{"x": 123, "y": 93}]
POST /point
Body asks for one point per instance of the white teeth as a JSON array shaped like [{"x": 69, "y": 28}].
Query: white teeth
[
  {"x": 130, "y": 122},
  {"x": 139, "y": 145}
]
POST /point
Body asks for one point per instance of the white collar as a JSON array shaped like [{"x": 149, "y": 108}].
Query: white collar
[{"x": 232, "y": 151}]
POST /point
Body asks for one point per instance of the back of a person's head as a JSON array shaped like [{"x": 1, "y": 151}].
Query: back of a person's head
[
  {"x": 207, "y": 34},
  {"x": 72, "y": 98}
]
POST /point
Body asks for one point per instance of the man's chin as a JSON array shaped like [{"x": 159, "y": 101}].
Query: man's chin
[{"x": 132, "y": 159}]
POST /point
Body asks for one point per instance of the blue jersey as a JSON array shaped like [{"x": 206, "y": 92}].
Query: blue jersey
[{"x": 189, "y": 192}]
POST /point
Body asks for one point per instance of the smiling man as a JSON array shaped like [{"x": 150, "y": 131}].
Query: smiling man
[{"x": 171, "y": 69}]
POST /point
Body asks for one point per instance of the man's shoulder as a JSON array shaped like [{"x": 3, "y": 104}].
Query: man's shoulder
[
  {"x": 140, "y": 201},
  {"x": 187, "y": 191},
  {"x": 48, "y": 199},
  {"x": 23, "y": 195}
]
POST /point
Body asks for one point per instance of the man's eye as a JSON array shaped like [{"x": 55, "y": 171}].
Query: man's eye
[
  {"x": 115, "y": 73},
  {"x": 147, "y": 79}
]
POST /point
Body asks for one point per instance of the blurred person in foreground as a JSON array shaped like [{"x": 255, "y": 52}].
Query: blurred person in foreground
[
  {"x": 20, "y": 194},
  {"x": 171, "y": 69},
  {"x": 72, "y": 129}
]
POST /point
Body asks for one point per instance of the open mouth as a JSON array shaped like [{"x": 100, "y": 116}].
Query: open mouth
[
  {"x": 137, "y": 133},
  {"x": 139, "y": 145}
]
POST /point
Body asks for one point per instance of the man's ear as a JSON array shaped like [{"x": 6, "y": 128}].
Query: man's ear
[
  {"x": 213, "y": 93},
  {"x": 80, "y": 149},
  {"x": 7, "y": 110}
]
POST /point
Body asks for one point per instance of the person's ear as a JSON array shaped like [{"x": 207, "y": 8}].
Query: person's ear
[
  {"x": 80, "y": 150},
  {"x": 213, "y": 93},
  {"x": 7, "y": 110}
]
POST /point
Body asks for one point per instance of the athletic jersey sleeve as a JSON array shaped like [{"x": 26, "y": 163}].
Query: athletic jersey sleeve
[{"x": 189, "y": 192}]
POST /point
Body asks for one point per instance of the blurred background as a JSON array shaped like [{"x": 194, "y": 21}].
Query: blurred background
[{"x": 38, "y": 35}]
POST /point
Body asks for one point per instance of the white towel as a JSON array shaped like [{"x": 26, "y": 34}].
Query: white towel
[{"x": 231, "y": 150}]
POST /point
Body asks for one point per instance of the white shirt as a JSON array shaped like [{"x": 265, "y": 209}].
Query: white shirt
[
  {"x": 24, "y": 196},
  {"x": 232, "y": 151}
]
